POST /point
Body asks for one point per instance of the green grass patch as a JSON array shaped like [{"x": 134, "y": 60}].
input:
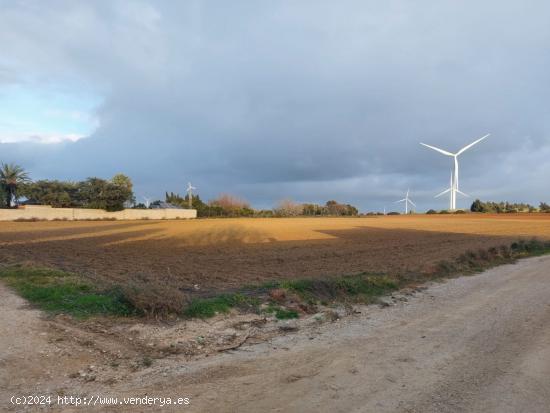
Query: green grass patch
[
  {"x": 360, "y": 287},
  {"x": 472, "y": 262},
  {"x": 61, "y": 292},
  {"x": 209, "y": 307},
  {"x": 285, "y": 314},
  {"x": 280, "y": 312},
  {"x": 532, "y": 247}
]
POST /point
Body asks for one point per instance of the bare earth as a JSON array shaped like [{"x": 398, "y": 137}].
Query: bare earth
[
  {"x": 472, "y": 344},
  {"x": 228, "y": 253}
]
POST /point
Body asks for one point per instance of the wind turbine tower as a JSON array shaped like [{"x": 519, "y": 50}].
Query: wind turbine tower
[
  {"x": 454, "y": 178},
  {"x": 147, "y": 201},
  {"x": 190, "y": 189},
  {"x": 450, "y": 191},
  {"x": 407, "y": 201}
]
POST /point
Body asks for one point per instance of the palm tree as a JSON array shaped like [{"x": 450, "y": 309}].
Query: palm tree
[{"x": 11, "y": 177}]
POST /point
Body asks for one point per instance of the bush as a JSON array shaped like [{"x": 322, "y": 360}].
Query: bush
[
  {"x": 153, "y": 298},
  {"x": 288, "y": 208},
  {"x": 431, "y": 211}
]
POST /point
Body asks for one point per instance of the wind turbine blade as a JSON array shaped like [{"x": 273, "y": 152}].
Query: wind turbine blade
[
  {"x": 472, "y": 144},
  {"x": 442, "y": 193},
  {"x": 437, "y": 149},
  {"x": 412, "y": 202},
  {"x": 401, "y": 200},
  {"x": 462, "y": 193}
]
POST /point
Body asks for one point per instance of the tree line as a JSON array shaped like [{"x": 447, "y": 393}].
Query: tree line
[
  {"x": 227, "y": 205},
  {"x": 109, "y": 194},
  {"x": 117, "y": 193},
  {"x": 507, "y": 207}
]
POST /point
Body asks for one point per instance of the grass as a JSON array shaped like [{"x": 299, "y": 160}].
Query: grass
[
  {"x": 209, "y": 307},
  {"x": 281, "y": 313},
  {"x": 472, "y": 262},
  {"x": 61, "y": 292},
  {"x": 362, "y": 287}
]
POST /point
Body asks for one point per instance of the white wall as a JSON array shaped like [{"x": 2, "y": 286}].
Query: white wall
[{"x": 44, "y": 212}]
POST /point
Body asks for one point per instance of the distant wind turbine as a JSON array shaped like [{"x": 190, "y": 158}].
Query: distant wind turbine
[
  {"x": 407, "y": 201},
  {"x": 147, "y": 201},
  {"x": 190, "y": 189},
  {"x": 450, "y": 191},
  {"x": 454, "y": 176}
]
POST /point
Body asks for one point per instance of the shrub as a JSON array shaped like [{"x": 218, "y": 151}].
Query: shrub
[
  {"x": 153, "y": 298},
  {"x": 288, "y": 208},
  {"x": 483, "y": 254},
  {"x": 431, "y": 211},
  {"x": 445, "y": 267}
]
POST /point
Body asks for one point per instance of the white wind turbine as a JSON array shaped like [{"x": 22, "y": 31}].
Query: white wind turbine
[
  {"x": 450, "y": 190},
  {"x": 147, "y": 201},
  {"x": 407, "y": 202},
  {"x": 454, "y": 185},
  {"x": 190, "y": 189}
]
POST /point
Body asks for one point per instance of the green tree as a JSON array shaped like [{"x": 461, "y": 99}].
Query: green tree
[
  {"x": 334, "y": 208},
  {"x": 12, "y": 177},
  {"x": 58, "y": 194},
  {"x": 101, "y": 194},
  {"x": 312, "y": 209},
  {"x": 203, "y": 210},
  {"x": 125, "y": 182},
  {"x": 477, "y": 206}
]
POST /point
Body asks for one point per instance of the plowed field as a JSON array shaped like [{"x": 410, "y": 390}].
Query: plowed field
[{"x": 226, "y": 253}]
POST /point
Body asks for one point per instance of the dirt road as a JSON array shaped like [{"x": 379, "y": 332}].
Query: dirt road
[{"x": 472, "y": 344}]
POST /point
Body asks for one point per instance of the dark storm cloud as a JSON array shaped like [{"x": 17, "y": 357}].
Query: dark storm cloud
[{"x": 309, "y": 100}]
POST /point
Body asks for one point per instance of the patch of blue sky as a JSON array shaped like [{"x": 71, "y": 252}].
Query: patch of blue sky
[{"x": 46, "y": 114}]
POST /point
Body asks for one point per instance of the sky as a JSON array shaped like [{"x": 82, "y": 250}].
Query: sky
[{"x": 307, "y": 100}]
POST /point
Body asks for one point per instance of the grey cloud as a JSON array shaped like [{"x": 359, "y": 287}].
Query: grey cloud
[{"x": 307, "y": 100}]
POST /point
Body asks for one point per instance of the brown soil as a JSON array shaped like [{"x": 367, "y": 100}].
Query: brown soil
[{"x": 220, "y": 254}]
